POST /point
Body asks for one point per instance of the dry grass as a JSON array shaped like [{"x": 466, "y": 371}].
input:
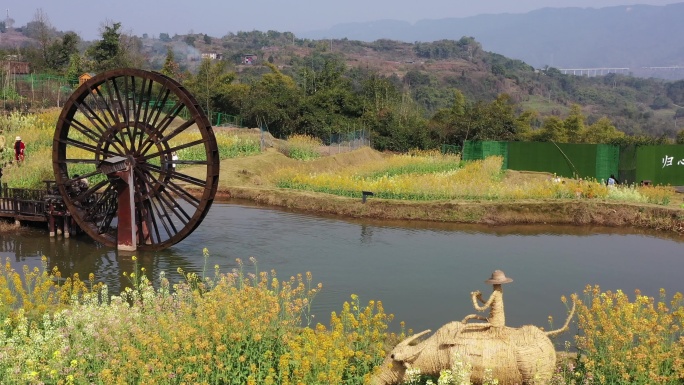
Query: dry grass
[
  {"x": 257, "y": 170},
  {"x": 9, "y": 226}
]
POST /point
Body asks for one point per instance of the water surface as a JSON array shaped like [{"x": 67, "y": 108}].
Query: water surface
[{"x": 422, "y": 272}]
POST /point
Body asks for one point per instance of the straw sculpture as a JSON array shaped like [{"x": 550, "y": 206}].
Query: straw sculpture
[{"x": 522, "y": 355}]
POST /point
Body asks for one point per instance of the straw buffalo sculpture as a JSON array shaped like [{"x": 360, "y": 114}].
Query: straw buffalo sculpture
[{"x": 522, "y": 355}]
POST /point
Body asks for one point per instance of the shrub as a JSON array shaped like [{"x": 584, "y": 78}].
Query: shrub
[
  {"x": 630, "y": 342},
  {"x": 237, "y": 327},
  {"x": 301, "y": 147}
]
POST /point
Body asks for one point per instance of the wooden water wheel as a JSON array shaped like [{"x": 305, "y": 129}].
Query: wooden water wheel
[{"x": 115, "y": 163}]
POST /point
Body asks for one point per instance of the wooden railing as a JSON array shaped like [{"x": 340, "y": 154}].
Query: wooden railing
[{"x": 26, "y": 204}]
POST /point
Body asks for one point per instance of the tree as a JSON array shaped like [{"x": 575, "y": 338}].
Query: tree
[
  {"x": 61, "y": 51},
  {"x": 680, "y": 137},
  {"x": 553, "y": 130},
  {"x": 210, "y": 85},
  {"x": 171, "y": 67},
  {"x": 105, "y": 53},
  {"x": 603, "y": 131},
  {"x": 76, "y": 66},
  {"x": 115, "y": 50},
  {"x": 164, "y": 37},
  {"x": 574, "y": 124},
  {"x": 41, "y": 30},
  {"x": 275, "y": 101}
]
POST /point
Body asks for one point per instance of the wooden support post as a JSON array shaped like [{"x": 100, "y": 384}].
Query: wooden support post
[
  {"x": 51, "y": 221},
  {"x": 67, "y": 227},
  {"x": 126, "y": 239}
]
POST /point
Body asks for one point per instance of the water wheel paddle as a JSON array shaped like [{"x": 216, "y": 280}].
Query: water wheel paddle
[{"x": 114, "y": 159}]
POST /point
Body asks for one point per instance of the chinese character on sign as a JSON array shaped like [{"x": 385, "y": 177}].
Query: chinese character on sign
[
  {"x": 680, "y": 162},
  {"x": 667, "y": 161}
]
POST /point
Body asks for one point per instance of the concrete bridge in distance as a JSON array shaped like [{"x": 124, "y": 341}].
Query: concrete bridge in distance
[
  {"x": 657, "y": 71},
  {"x": 595, "y": 71}
]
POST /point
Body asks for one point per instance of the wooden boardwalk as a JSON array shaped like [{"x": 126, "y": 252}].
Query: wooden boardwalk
[
  {"x": 23, "y": 204},
  {"x": 37, "y": 206}
]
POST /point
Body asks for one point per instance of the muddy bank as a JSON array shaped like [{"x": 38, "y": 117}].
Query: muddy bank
[{"x": 575, "y": 212}]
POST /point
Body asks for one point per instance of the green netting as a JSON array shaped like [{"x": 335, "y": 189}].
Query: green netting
[
  {"x": 662, "y": 164},
  {"x": 607, "y": 160},
  {"x": 480, "y": 150},
  {"x": 628, "y": 163},
  {"x": 564, "y": 159},
  {"x": 472, "y": 150}
]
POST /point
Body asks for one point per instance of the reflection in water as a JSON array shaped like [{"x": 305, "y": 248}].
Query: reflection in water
[
  {"x": 422, "y": 272},
  {"x": 366, "y": 234}
]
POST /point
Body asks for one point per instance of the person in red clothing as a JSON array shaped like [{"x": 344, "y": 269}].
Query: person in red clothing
[{"x": 19, "y": 149}]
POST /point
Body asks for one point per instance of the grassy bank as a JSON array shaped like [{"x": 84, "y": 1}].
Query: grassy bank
[{"x": 441, "y": 188}]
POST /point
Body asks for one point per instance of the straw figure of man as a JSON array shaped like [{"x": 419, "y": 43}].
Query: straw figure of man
[{"x": 497, "y": 318}]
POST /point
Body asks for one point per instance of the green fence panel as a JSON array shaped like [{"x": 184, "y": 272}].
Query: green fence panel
[
  {"x": 564, "y": 159},
  {"x": 475, "y": 150},
  {"x": 450, "y": 149},
  {"x": 472, "y": 150},
  {"x": 663, "y": 164},
  {"x": 628, "y": 164},
  {"x": 492, "y": 148},
  {"x": 607, "y": 161}
]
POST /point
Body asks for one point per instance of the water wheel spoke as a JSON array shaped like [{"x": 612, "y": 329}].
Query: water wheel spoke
[
  {"x": 86, "y": 131},
  {"x": 175, "y": 148},
  {"x": 144, "y": 217},
  {"x": 176, "y": 189},
  {"x": 162, "y": 215},
  {"x": 101, "y": 129},
  {"x": 90, "y": 191},
  {"x": 162, "y": 194},
  {"x": 192, "y": 162},
  {"x": 115, "y": 93},
  {"x": 161, "y": 126},
  {"x": 103, "y": 106},
  {"x": 105, "y": 203},
  {"x": 78, "y": 160},
  {"x": 88, "y": 147},
  {"x": 148, "y": 109},
  {"x": 95, "y": 121},
  {"x": 130, "y": 91},
  {"x": 188, "y": 123},
  {"x": 180, "y": 176},
  {"x": 161, "y": 102},
  {"x": 86, "y": 175},
  {"x": 148, "y": 222}
]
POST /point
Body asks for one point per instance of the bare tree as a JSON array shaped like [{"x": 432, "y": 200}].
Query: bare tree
[{"x": 42, "y": 30}]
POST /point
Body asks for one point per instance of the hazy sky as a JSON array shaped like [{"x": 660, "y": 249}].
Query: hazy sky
[{"x": 219, "y": 17}]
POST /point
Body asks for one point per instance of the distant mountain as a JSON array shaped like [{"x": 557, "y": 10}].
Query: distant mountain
[{"x": 632, "y": 36}]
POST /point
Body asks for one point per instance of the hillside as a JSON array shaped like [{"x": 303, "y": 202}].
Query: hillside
[{"x": 632, "y": 36}]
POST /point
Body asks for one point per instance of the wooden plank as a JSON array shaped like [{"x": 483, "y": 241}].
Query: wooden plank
[{"x": 31, "y": 218}]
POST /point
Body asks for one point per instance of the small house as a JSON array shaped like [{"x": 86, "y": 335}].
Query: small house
[
  {"x": 85, "y": 77},
  {"x": 212, "y": 56},
  {"x": 15, "y": 67},
  {"x": 249, "y": 59}
]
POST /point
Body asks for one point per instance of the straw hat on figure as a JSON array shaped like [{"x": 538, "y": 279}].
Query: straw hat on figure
[{"x": 496, "y": 318}]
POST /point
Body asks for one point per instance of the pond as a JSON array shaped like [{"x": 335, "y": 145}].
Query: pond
[{"x": 422, "y": 272}]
